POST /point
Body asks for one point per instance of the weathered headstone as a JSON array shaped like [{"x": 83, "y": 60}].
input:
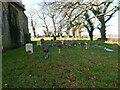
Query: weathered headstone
[
  {"x": 69, "y": 44},
  {"x": 62, "y": 42},
  {"x": 39, "y": 43},
  {"x": 29, "y": 48},
  {"x": 59, "y": 51},
  {"x": 79, "y": 44},
  {"x": 59, "y": 44},
  {"x": 74, "y": 43},
  {"x": 82, "y": 44},
  {"x": 87, "y": 46}
]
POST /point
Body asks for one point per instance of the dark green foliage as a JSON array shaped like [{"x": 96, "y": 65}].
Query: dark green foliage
[
  {"x": 27, "y": 38},
  {"x": 13, "y": 25}
]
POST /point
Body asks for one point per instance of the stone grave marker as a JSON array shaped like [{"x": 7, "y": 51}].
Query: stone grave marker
[
  {"x": 62, "y": 42},
  {"x": 69, "y": 44},
  {"x": 59, "y": 44},
  {"x": 82, "y": 44},
  {"x": 87, "y": 45},
  {"x": 74, "y": 43},
  {"x": 39, "y": 43},
  {"x": 59, "y": 51},
  {"x": 79, "y": 44},
  {"x": 29, "y": 48}
]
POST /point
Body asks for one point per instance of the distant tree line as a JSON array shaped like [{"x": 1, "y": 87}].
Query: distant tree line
[{"x": 72, "y": 16}]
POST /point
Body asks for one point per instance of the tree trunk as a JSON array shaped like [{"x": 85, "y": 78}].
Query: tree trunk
[
  {"x": 91, "y": 35},
  {"x": 33, "y": 28},
  {"x": 103, "y": 31},
  {"x": 34, "y": 31},
  {"x": 54, "y": 25},
  {"x": 103, "y": 34},
  {"x": 46, "y": 28}
]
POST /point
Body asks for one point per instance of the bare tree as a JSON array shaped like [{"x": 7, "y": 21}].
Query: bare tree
[
  {"x": 89, "y": 26},
  {"x": 54, "y": 9},
  {"x": 43, "y": 16},
  {"x": 32, "y": 21},
  {"x": 103, "y": 14}
]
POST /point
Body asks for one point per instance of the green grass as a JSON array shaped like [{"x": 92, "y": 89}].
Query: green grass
[{"x": 71, "y": 69}]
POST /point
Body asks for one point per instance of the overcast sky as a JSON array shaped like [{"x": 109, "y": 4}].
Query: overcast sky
[{"x": 111, "y": 30}]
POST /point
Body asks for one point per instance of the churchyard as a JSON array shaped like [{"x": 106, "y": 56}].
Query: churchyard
[
  {"x": 59, "y": 44},
  {"x": 71, "y": 65}
]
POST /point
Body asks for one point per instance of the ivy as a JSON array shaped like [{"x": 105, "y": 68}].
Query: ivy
[{"x": 13, "y": 25}]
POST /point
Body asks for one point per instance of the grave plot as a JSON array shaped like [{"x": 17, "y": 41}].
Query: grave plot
[{"x": 45, "y": 51}]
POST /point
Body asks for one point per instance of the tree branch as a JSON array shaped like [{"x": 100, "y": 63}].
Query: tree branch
[{"x": 110, "y": 16}]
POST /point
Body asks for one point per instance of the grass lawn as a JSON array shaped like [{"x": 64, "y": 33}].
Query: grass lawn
[{"x": 73, "y": 68}]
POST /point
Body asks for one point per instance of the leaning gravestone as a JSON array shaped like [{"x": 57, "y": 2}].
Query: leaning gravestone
[{"x": 29, "y": 48}]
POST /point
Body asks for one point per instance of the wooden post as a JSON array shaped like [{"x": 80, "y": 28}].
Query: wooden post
[{"x": 59, "y": 50}]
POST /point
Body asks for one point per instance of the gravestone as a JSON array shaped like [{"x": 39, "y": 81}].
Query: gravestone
[
  {"x": 59, "y": 51},
  {"x": 74, "y": 43},
  {"x": 29, "y": 48},
  {"x": 62, "y": 42},
  {"x": 45, "y": 51},
  {"x": 42, "y": 41},
  {"x": 69, "y": 44},
  {"x": 39, "y": 43},
  {"x": 59, "y": 44},
  {"x": 87, "y": 46},
  {"x": 82, "y": 44},
  {"x": 79, "y": 44},
  {"x": 49, "y": 43}
]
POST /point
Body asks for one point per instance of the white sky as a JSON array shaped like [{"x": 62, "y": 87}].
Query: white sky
[{"x": 111, "y": 30}]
